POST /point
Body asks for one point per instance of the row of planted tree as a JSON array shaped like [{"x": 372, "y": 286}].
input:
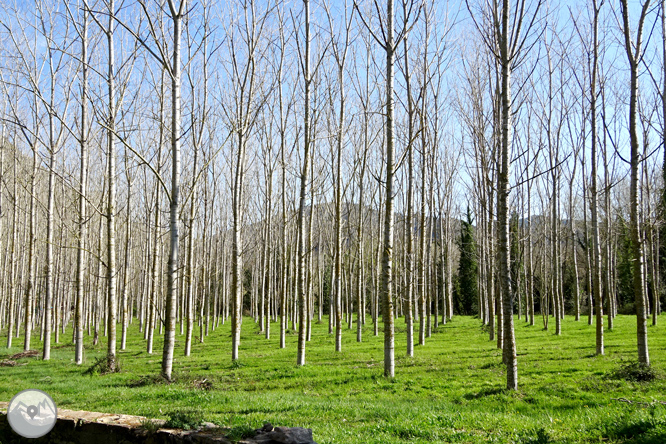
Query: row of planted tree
[{"x": 179, "y": 165}]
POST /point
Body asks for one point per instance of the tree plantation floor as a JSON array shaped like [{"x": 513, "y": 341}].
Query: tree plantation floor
[{"x": 451, "y": 391}]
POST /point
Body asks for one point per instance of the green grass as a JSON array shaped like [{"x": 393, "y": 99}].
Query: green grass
[{"x": 451, "y": 391}]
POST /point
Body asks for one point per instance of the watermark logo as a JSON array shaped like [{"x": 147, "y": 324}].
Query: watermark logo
[{"x": 32, "y": 413}]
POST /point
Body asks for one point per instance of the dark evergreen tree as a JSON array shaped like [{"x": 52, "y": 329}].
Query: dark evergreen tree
[
  {"x": 467, "y": 294},
  {"x": 625, "y": 274},
  {"x": 516, "y": 252}
]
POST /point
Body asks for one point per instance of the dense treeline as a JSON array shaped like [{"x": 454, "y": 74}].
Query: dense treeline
[{"x": 181, "y": 165}]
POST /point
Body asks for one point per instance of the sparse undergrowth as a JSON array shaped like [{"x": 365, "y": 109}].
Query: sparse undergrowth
[
  {"x": 636, "y": 372},
  {"x": 103, "y": 366},
  {"x": 185, "y": 419},
  {"x": 452, "y": 390},
  {"x": 147, "y": 380},
  {"x": 239, "y": 432},
  {"x": 149, "y": 425}
]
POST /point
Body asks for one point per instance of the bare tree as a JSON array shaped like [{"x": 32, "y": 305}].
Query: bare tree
[
  {"x": 84, "y": 132},
  {"x": 635, "y": 53},
  {"x": 409, "y": 235},
  {"x": 596, "y": 248},
  {"x": 511, "y": 26},
  {"x": 339, "y": 50},
  {"x": 111, "y": 208},
  {"x": 171, "y": 62},
  {"x": 198, "y": 124},
  {"x": 386, "y": 39},
  {"x": 304, "y": 173},
  {"x": 248, "y": 96}
]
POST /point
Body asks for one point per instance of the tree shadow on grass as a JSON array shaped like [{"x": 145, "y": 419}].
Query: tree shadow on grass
[
  {"x": 631, "y": 430},
  {"x": 637, "y": 434},
  {"x": 658, "y": 438},
  {"x": 147, "y": 380},
  {"x": 484, "y": 393}
]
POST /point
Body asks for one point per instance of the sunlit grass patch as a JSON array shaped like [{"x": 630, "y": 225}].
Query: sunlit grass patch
[{"x": 452, "y": 390}]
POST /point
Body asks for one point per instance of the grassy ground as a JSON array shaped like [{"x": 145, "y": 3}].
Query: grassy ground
[{"x": 451, "y": 391}]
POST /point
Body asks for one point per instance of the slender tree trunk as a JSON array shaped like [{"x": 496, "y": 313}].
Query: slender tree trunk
[
  {"x": 378, "y": 266},
  {"x": 283, "y": 249},
  {"x": 48, "y": 302},
  {"x": 99, "y": 290},
  {"x": 83, "y": 179},
  {"x": 154, "y": 280},
  {"x": 11, "y": 310},
  {"x": 596, "y": 277},
  {"x": 338, "y": 213},
  {"x": 491, "y": 269},
  {"x": 442, "y": 263},
  {"x": 360, "y": 289},
  {"x": 509, "y": 350},
  {"x": 237, "y": 247},
  {"x": 268, "y": 287},
  {"x": 111, "y": 209},
  {"x": 572, "y": 226},
  {"x": 309, "y": 274},
  {"x": 409, "y": 235},
  {"x": 387, "y": 245},
  {"x": 300, "y": 255},
  {"x": 128, "y": 260},
  {"x": 189, "y": 283},
  {"x": 171, "y": 294},
  {"x": 663, "y": 141},
  {"x": 588, "y": 255},
  {"x": 530, "y": 259},
  {"x": 634, "y": 56},
  {"x": 423, "y": 296}
]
